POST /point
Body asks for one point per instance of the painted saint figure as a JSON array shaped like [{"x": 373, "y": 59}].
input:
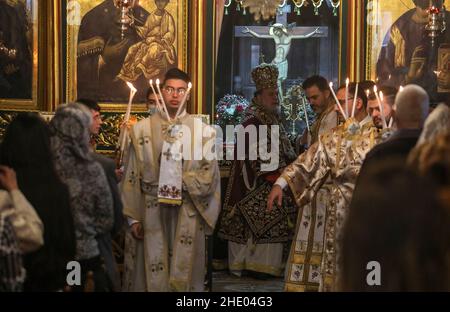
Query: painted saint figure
[{"x": 156, "y": 53}]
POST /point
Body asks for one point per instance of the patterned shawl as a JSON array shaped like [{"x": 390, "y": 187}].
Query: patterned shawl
[{"x": 90, "y": 197}]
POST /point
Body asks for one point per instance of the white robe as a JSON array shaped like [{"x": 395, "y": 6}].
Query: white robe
[{"x": 172, "y": 255}]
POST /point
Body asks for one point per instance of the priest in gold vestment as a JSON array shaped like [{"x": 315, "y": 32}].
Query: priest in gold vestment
[
  {"x": 322, "y": 181},
  {"x": 171, "y": 197}
]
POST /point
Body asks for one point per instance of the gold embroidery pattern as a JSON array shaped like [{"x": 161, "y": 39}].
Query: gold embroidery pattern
[{"x": 399, "y": 43}]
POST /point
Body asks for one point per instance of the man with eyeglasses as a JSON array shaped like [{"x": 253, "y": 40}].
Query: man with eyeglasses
[
  {"x": 322, "y": 182},
  {"x": 171, "y": 198}
]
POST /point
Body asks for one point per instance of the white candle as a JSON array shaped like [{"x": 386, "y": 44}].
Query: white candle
[
  {"x": 337, "y": 101},
  {"x": 306, "y": 116},
  {"x": 380, "y": 106},
  {"x": 368, "y": 95},
  {"x": 158, "y": 103},
  {"x": 188, "y": 91},
  {"x": 355, "y": 97},
  {"x": 382, "y": 110},
  {"x": 133, "y": 91},
  {"x": 162, "y": 99},
  {"x": 347, "y": 82},
  {"x": 124, "y": 131}
]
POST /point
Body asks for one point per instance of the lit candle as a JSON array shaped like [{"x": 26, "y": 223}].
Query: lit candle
[
  {"x": 355, "y": 97},
  {"x": 133, "y": 91},
  {"x": 188, "y": 91},
  {"x": 158, "y": 103},
  {"x": 368, "y": 95},
  {"x": 337, "y": 101},
  {"x": 124, "y": 131},
  {"x": 347, "y": 82},
  {"x": 380, "y": 106},
  {"x": 162, "y": 99},
  {"x": 401, "y": 89}
]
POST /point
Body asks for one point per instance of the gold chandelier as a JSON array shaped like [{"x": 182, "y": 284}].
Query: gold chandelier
[{"x": 267, "y": 9}]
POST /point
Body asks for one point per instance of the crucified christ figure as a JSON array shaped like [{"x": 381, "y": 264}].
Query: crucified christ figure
[{"x": 279, "y": 33}]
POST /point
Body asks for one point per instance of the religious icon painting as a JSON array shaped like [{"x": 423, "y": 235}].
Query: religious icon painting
[
  {"x": 20, "y": 54},
  {"x": 112, "y": 42},
  {"x": 406, "y": 41}
]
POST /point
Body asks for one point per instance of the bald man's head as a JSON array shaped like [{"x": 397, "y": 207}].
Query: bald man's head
[{"x": 412, "y": 106}]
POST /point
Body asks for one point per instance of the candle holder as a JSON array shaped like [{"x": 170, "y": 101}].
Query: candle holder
[
  {"x": 126, "y": 19},
  {"x": 436, "y": 22}
]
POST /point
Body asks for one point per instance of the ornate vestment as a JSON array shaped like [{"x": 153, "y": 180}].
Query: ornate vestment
[
  {"x": 172, "y": 255},
  {"x": 322, "y": 181},
  {"x": 245, "y": 221}
]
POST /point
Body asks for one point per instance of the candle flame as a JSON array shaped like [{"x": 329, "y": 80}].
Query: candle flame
[
  {"x": 401, "y": 89},
  {"x": 381, "y": 95},
  {"x": 157, "y": 81},
  {"x": 375, "y": 89},
  {"x": 367, "y": 92},
  {"x": 190, "y": 85},
  {"x": 347, "y": 81},
  {"x": 331, "y": 84},
  {"x": 130, "y": 85}
]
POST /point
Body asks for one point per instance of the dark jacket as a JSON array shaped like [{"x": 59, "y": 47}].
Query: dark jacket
[
  {"x": 397, "y": 146},
  {"x": 105, "y": 241}
]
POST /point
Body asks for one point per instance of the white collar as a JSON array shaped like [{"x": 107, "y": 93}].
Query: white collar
[{"x": 365, "y": 121}]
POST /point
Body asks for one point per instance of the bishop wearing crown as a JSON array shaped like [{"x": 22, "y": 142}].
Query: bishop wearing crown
[{"x": 256, "y": 237}]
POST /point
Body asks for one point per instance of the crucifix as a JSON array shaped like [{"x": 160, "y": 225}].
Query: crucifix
[{"x": 282, "y": 34}]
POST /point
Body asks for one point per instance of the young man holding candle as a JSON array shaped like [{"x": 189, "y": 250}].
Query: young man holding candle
[
  {"x": 387, "y": 102},
  {"x": 171, "y": 202},
  {"x": 412, "y": 108},
  {"x": 322, "y": 181},
  {"x": 320, "y": 100}
]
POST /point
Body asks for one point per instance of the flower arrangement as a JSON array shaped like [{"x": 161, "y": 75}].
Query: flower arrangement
[{"x": 230, "y": 110}]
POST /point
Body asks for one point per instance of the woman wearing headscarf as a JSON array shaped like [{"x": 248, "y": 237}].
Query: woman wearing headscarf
[
  {"x": 90, "y": 197},
  {"x": 26, "y": 149}
]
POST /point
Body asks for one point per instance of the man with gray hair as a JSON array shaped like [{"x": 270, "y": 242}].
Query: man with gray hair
[{"x": 411, "y": 110}]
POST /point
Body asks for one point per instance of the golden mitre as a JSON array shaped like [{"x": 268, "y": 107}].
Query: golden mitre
[{"x": 265, "y": 76}]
